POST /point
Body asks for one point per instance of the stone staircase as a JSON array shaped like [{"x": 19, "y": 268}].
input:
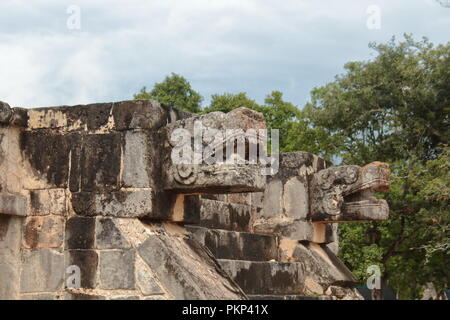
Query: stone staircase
[{"x": 251, "y": 259}]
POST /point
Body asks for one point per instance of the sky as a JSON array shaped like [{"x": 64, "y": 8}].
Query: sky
[{"x": 58, "y": 52}]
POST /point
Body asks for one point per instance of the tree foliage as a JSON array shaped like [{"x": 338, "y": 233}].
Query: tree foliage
[
  {"x": 175, "y": 91},
  {"x": 395, "y": 108}
]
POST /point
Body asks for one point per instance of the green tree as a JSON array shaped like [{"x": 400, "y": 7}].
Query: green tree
[
  {"x": 229, "y": 101},
  {"x": 395, "y": 108},
  {"x": 175, "y": 91}
]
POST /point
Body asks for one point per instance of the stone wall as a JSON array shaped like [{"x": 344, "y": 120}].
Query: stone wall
[{"x": 92, "y": 189}]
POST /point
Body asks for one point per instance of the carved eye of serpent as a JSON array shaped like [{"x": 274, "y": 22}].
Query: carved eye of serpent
[
  {"x": 332, "y": 203},
  {"x": 326, "y": 179},
  {"x": 185, "y": 173}
]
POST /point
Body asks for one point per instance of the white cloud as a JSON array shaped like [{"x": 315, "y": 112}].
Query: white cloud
[{"x": 219, "y": 45}]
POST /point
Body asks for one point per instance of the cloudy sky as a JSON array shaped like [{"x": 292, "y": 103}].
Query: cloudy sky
[{"x": 220, "y": 46}]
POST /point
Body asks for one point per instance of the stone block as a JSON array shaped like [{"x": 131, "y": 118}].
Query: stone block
[
  {"x": 139, "y": 159},
  {"x": 108, "y": 236},
  {"x": 91, "y": 117},
  {"x": 43, "y": 270},
  {"x": 139, "y": 114},
  {"x": 43, "y": 232},
  {"x": 273, "y": 197},
  {"x": 117, "y": 269},
  {"x": 133, "y": 203},
  {"x": 221, "y": 215},
  {"x": 80, "y": 233},
  {"x": 266, "y": 277},
  {"x": 13, "y": 204},
  {"x": 237, "y": 245},
  {"x": 87, "y": 261},
  {"x": 295, "y": 198},
  {"x": 41, "y": 296},
  {"x": 49, "y": 201},
  {"x": 10, "y": 258},
  {"x": 186, "y": 269},
  {"x": 50, "y": 163},
  {"x": 146, "y": 281},
  {"x": 101, "y": 161}
]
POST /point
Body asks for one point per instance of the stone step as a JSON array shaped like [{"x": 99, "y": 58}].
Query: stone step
[
  {"x": 215, "y": 214},
  {"x": 266, "y": 278},
  {"x": 235, "y": 245},
  {"x": 286, "y": 297}
]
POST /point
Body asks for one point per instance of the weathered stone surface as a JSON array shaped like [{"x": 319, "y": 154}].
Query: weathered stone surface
[
  {"x": 139, "y": 114},
  {"x": 117, "y": 269},
  {"x": 50, "y": 201},
  {"x": 6, "y": 113},
  {"x": 345, "y": 193},
  {"x": 43, "y": 232},
  {"x": 91, "y": 117},
  {"x": 52, "y": 162},
  {"x": 10, "y": 259},
  {"x": 146, "y": 281},
  {"x": 273, "y": 196},
  {"x": 101, "y": 162},
  {"x": 186, "y": 269},
  {"x": 321, "y": 268},
  {"x": 80, "y": 233},
  {"x": 42, "y": 271},
  {"x": 108, "y": 236},
  {"x": 266, "y": 277},
  {"x": 73, "y": 295},
  {"x": 87, "y": 261},
  {"x": 132, "y": 203},
  {"x": 13, "y": 204},
  {"x": 205, "y": 176},
  {"x": 222, "y": 215},
  {"x": 41, "y": 296},
  {"x": 237, "y": 245},
  {"x": 295, "y": 198},
  {"x": 139, "y": 159}
]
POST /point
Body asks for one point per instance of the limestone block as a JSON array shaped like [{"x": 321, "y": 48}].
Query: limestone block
[
  {"x": 268, "y": 277},
  {"x": 80, "y": 233},
  {"x": 186, "y": 269},
  {"x": 13, "y": 204},
  {"x": 10, "y": 259},
  {"x": 43, "y": 232},
  {"x": 48, "y": 155},
  {"x": 295, "y": 198},
  {"x": 145, "y": 280},
  {"x": 101, "y": 162},
  {"x": 322, "y": 267},
  {"x": 41, "y": 296},
  {"x": 108, "y": 236},
  {"x": 42, "y": 271},
  {"x": 139, "y": 114},
  {"x": 222, "y": 215},
  {"x": 49, "y": 201},
  {"x": 117, "y": 269},
  {"x": 139, "y": 159},
  {"x": 87, "y": 261},
  {"x": 125, "y": 203},
  {"x": 273, "y": 196},
  {"x": 237, "y": 245},
  {"x": 92, "y": 117}
]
